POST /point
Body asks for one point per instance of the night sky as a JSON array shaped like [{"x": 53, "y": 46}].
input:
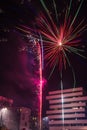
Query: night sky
[{"x": 17, "y": 74}]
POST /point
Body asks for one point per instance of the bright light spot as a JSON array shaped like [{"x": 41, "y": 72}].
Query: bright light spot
[
  {"x": 41, "y": 82},
  {"x": 60, "y": 43},
  {"x": 62, "y": 98},
  {"x": 45, "y": 118},
  {"x": 4, "y": 109},
  {"x": 75, "y": 108}
]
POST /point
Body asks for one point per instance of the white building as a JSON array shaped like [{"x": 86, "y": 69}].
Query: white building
[
  {"x": 14, "y": 118},
  {"x": 67, "y": 110}
]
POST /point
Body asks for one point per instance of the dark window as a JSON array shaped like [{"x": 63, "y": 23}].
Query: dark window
[
  {"x": 25, "y": 123},
  {"x": 24, "y": 129}
]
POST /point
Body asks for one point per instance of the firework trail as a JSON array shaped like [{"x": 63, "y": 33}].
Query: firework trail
[
  {"x": 41, "y": 84},
  {"x": 40, "y": 56},
  {"x": 61, "y": 37}
]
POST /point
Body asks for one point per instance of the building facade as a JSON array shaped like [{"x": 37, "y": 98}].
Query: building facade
[
  {"x": 9, "y": 118},
  {"x": 13, "y": 118},
  {"x": 67, "y": 109},
  {"x": 25, "y": 118}
]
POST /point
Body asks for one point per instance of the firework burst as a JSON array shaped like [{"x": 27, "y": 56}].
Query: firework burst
[{"x": 60, "y": 39}]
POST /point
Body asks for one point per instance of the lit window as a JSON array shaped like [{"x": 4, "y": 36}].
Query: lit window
[{"x": 75, "y": 108}]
